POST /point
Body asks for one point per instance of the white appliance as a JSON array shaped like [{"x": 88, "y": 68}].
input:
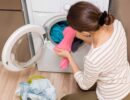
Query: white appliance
[{"x": 43, "y": 14}]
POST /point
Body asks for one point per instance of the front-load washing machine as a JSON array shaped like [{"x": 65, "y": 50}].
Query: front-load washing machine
[{"x": 43, "y": 16}]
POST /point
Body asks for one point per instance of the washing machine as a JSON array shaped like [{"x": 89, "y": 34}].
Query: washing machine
[{"x": 43, "y": 15}]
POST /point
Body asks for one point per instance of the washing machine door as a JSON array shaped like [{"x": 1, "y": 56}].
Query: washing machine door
[{"x": 10, "y": 48}]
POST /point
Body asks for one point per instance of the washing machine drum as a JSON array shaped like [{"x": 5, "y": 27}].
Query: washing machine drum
[
  {"x": 14, "y": 45},
  {"x": 54, "y": 31}
]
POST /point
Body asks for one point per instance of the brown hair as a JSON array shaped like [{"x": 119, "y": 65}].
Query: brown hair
[{"x": 84, "y": 16}]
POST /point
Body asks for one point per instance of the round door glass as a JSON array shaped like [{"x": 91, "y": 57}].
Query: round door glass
[{"x": 18, "y": 52}]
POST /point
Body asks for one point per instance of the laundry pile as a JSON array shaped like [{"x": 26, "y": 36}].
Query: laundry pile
[
  {"x": 57, "y": 35},
  {"x": 37, "y": 89},
  {"x": 56, "y": 32}
]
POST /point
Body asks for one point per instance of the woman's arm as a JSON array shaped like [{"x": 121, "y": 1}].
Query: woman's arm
[
  {"x": 85, "y": 79},
  {"x": 73, "y": 65},
  {"x": 88, "y": 77},
  {"x": 66, "y": 54}
]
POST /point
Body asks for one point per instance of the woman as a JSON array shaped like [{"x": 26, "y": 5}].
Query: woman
[{"x": 106, "y": 63}]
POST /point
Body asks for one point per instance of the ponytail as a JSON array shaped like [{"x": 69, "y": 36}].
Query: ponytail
[{"x": 105, "y": 18}]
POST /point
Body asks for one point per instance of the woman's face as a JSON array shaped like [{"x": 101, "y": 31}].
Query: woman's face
[{"x": 83, "y": 35}]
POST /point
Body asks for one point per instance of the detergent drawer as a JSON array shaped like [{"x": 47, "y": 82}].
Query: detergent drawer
[
  {"x": 46, "y": 5},
  {"x": 101, "y": 4}
]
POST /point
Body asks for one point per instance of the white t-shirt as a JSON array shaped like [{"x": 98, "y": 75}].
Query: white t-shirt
[{"x": 108, "y": 66}]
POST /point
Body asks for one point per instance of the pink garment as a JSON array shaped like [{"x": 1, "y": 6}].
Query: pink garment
[{"x": 69, "y": 35}]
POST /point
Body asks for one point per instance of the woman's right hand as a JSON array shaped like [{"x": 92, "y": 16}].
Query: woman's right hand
[{"x": 62, "y": 52}]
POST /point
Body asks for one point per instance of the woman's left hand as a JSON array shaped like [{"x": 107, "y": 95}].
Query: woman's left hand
[{"x": 62, "y": 52}]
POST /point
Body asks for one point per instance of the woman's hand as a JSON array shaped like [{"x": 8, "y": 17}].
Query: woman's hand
[
  {"x": 62, "y": 53},
  {"x": 65, "y": 53}
]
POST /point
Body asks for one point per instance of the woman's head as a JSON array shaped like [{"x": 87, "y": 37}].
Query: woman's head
[{"x": 84, "y": 16}]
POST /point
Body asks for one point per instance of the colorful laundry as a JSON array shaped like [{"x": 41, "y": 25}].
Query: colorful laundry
[
  {"x": 76, "y": 44},
  {"x": 39, "y": 89},
  {"x": 69, "y": 35},
  {"x": 56, "y": 32}
]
